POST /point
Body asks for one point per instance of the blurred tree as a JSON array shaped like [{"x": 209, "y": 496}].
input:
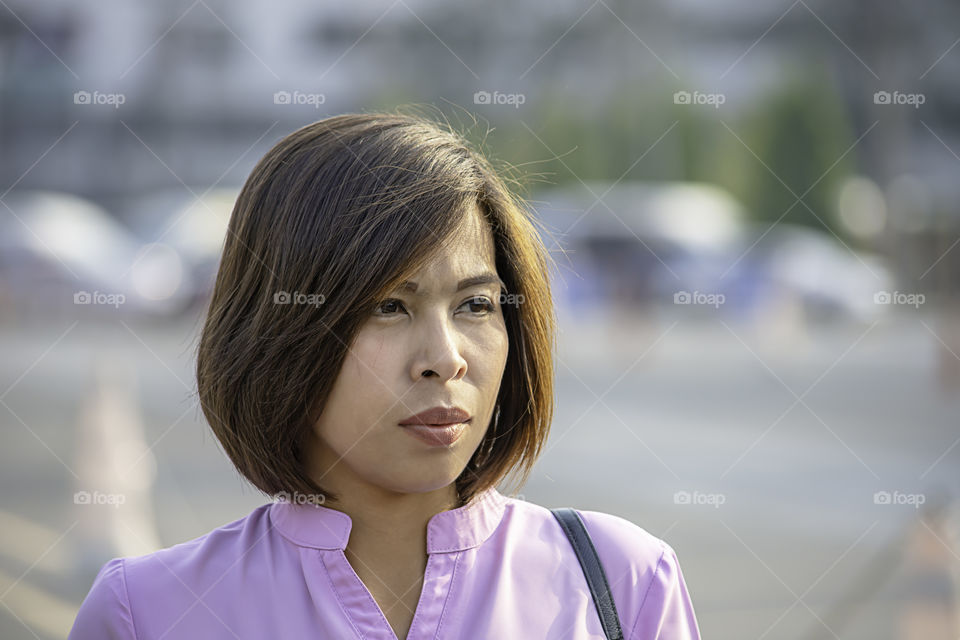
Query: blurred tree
[
  {"x": 801, "y": 133},
  {"x": 594, "y": 137}
]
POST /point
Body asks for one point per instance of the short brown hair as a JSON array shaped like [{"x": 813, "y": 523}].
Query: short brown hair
[{"x": 349, "y": 207}]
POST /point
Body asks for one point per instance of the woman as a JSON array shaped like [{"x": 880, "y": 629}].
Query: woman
[{"x": 378, "y": 356}]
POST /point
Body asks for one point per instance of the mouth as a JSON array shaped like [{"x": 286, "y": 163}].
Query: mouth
[
  {"x": 438, "y": 417},
  {"x": 438, "y": 426},
  {"x": 437, "y": 435}
]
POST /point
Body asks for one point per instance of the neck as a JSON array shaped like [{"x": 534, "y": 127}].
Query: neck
[
  {"x": 385, "y": 524},
  {"x": 388, "y": 538},
  {"x": 393, "y": 518}
]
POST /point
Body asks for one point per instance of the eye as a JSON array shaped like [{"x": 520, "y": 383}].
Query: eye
[
  {"x": 390, "y": 303},
  {"x": 481, "y": 305},
  {"x": 485, "y": 303}
]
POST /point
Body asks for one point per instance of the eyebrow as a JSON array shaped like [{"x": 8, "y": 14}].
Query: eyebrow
[{"x": 466, "y": 283}]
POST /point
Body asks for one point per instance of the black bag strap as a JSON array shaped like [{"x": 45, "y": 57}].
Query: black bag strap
[{"x": 576, "y": 531}]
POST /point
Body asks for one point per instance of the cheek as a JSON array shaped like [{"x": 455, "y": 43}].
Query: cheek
[
  {"x": 360, "y": 388},
  {"x": 368, "y": 362},
  {"x": 490, "y": 350}
]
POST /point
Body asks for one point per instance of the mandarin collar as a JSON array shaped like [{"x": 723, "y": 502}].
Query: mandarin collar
[{"x": 321, "y": 527}]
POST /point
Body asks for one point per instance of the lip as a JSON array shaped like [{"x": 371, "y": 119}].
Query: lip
[
  {"x": 436, "y": 436},
  {"x": 438, "y": 417}
]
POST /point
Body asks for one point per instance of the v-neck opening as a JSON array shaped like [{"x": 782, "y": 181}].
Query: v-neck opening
[
  {"x": 420, "y": 597},
  {"x": 365, "y": 613}
]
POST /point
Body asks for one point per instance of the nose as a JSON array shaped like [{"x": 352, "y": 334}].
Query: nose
[{"x": 438, "y": 351}]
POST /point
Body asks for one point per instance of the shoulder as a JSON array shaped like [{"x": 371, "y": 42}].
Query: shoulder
[
  {"x": 105, "y": 612},
  {"x": 129, "y": 592},
  {"x": 619, "y": 542},
  {"x": 204, "y": 558},
  {"x": 643, "y": 572},
  {"x": 623, "y": 541}
]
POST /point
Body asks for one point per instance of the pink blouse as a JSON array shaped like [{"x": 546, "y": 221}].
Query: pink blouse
[{"x": 498, "y": 568}]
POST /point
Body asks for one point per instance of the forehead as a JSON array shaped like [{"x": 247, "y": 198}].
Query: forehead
[
  {"x": 474, "y": 240},
  {"x": 470, "y": 252}
]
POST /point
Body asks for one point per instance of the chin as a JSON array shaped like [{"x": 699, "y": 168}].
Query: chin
[{"x": 416, "y": 481}]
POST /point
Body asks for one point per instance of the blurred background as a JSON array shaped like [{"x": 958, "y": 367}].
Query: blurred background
[{"x": 755, "y": 215}]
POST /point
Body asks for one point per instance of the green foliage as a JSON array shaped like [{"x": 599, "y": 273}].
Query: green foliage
[
  {"x": 801, "y": 134},
  {"x": 789, "y": 140}
]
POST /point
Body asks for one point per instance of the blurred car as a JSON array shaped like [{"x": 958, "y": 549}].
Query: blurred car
[
  {"x": 645, "y": 240},
  {"x": 649, "y": 241},
  {"x": 829, "y": 278},
  {"x": 193, "y": 226},
  {"x": 58, "y": 249}
]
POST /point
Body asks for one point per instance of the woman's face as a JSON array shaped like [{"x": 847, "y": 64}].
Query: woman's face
[{"x": 434, "y": 346}]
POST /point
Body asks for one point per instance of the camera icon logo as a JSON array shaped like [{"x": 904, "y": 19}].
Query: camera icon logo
[
  {"x": 82, "y": 297},
  {"x": 681, "y": 497},
  {"x": 882, "y": 297},
  {"x": 881, "y": 497},
  {"x": 81, "y": 497},
  {"x": 481, "y": 97},
  {"x": 81, "y": 97},
  {"x": 281, "y": 97},
  {"x": 881, "y": 97},
  {"x": 281, "y": 297},
  {"x": 681, "y": 297},
  {"x": 681, "y": 97}
]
